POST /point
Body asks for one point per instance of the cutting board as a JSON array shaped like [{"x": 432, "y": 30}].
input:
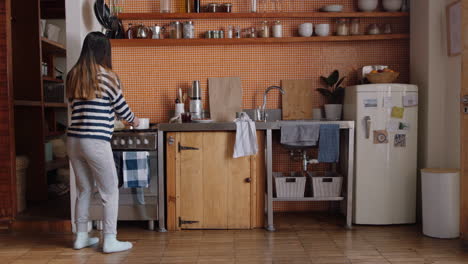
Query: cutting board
[
  {"x": 298, "y": 99},
  {"x": 225, "y": 98}
]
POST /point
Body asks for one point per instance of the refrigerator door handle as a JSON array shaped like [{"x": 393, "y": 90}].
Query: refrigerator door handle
[{"x": 367, "y": 121}]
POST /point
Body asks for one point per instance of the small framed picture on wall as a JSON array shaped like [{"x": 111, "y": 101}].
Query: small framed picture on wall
[{"x": 454, "y": 28}]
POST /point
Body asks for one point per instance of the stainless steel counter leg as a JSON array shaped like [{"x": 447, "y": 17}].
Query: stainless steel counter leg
[
  {"x": 350, "y": 180},
  {"x": 150, "y": 225},
  {"x": 161, "y": 184},
  {"x": 269, "y": 179}
]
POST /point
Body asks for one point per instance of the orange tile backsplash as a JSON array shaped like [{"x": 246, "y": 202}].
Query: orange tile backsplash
[{"x": 151, "y": 75}]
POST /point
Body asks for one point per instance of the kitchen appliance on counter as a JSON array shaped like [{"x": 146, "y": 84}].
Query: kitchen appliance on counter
[
  {"x": 135, "y": 204},
  {"x": 196, "y": 110},
  {"x": 386, "y": 152}
]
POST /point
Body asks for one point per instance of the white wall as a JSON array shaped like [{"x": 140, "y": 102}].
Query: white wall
[
  {"x": 80, "y": 20},
  {"x": 439, "y": 79}
]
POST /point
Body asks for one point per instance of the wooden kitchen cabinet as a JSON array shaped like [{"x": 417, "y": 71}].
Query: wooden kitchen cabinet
[{"x": 207, "y": 188}]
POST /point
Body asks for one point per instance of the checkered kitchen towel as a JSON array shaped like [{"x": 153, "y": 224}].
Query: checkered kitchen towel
[{"x": 136, "y": 169}]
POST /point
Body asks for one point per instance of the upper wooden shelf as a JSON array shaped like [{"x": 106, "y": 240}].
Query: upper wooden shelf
[
  {"x": 55, "y": 105},
  {"x": 154, "y": 16},
  {"x": 52, "y": 47},
  {"x": 27, "y": 103},
  {"x": 248, "y": 41},
  {"x": 51, "y": 79}
]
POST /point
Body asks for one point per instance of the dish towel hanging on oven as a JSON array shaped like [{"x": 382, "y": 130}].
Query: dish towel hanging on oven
[
  {"x": 136, "y": 169},
  {"x": 246, "y": 137}
]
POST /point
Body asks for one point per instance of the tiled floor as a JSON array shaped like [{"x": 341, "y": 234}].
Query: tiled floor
[{"x": 299, "y": 239}]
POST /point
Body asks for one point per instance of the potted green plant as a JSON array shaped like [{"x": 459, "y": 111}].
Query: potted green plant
[{"x": 334, "y": 95}]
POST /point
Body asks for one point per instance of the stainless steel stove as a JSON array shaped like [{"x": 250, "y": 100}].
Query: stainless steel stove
[{"x": 130, "y": 205}]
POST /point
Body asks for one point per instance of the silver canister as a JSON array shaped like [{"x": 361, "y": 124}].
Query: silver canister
[
  {"x": 227, "y": 7},
  {"x": 213, "y": 8},
  {"x": 189, "y": 30},
  {"x": 175, "y": 30},
  {"x": 195, "y": 92},
  {"x": 195, "y": 101},
  {"x": 215, "y": 34}
]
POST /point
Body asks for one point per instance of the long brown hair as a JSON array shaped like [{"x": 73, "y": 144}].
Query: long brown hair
[{"x": 82, "y": 81}]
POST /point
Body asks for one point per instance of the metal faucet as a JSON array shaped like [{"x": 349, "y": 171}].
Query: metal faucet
[{"x": 261, "y": 113}]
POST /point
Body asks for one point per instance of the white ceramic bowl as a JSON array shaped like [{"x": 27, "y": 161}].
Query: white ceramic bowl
[
  {"x": 322, "y": 30},
  {"x": 144, "y": 123},
  {"x": 332, "y": 8},
  {"x": 392, "y": 5},
  {"x": 306, "y": 29},
  {"x": 368, "y": 5}
]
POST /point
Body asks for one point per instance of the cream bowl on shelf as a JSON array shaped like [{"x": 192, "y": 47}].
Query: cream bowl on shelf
[
  {"x": 368, "y": 5},
  {"x": 322, "y": 30},
  {"x": 392, "y": 5},
  {"x": 306, "y": 29}
]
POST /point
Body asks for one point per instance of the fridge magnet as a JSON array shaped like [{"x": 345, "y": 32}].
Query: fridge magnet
[
  {"x": 393, "y": 126},
  {"x": 404, "y": 126},
  {"x": 410, "y": 100},
  {"x": 400, "y": 140},
  {"x": 387, "y": 102},
  {"x": 380, "y": 137},
  {"x": 397, "y": 112},
  {"x": 370, "y": 102}
]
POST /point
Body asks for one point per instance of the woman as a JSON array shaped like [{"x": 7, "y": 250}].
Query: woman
[{"x": 95, "y": 95}]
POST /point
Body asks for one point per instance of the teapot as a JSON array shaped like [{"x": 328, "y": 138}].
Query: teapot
[{"x": 143, "y": 32}]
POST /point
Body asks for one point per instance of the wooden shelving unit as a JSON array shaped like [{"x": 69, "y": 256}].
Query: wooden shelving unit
[
  {"x": 52, "y": 47},
  {"x": 160, "y": 16},
  {"x": 55, "y": 105},
  {"x": 27, "y": 103},
  {"x": 50, "y": 79},
  {"x": 249, "y": 41}
]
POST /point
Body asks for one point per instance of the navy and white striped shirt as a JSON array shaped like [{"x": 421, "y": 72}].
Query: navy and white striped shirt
[{"x": 95, "y": 118}]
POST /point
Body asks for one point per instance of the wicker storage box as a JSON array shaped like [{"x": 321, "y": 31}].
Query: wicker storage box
[
  {"x": 382, "y": 77},
  {"x": 327, "y": 184},
  {"x": 289, "y": 186},
  {"x": 22, "y": 163}
]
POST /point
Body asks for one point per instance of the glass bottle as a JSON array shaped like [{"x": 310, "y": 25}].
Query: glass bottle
[
  {"x": 355, "y": 27},
  {"x": 229, "y": 32},
  {"x": 264, "y": 30},
  {"x": 342, "y": 27},
  {"x": 253, "y": 6},
  {"x": 165, "y": 6},
  {"x": 188, "y": 6}
]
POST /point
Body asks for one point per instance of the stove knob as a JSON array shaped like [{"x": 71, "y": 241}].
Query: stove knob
[
  {"x": 145, "y": 141},
  {"x": 122, "y": 142},
  {"x": 130, "y": 142},
  {"x": 138, "y": 141}
]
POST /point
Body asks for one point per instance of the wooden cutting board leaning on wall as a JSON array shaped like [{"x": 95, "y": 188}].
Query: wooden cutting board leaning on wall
[
  {"x": 225, "y": 98},
  {"x": 298, "y": 99}
]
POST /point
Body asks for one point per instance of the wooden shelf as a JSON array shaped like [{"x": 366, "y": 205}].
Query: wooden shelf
[
  {"x": 56, "y": 105},
  {"x": 248, "y": 41},
  {"x": 52, "y": 47},
  {"x": 155, "y": 16},
  {"x": 305, "y": 199},
  {"x": 56, "y": 164},
  {"x": 50, "y": 79},
  {"x": 27, "y": 103}
]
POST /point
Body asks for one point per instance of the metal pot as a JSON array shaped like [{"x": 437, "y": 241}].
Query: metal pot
[
  {"x": 143, "y": 32},
  {"x": 158, "y": 32}
]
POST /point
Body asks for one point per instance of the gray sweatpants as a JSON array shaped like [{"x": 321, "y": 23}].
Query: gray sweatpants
[{"x": 93, "y": 161}]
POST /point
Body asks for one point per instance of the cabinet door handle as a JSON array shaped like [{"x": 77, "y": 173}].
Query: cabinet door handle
[
  {"x": 186, "y": 148},
  {"x": 248, "y": 180}
]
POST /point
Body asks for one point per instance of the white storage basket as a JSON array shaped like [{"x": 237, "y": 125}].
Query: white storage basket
[
  {"x": 292, "y": 186},
  {"x": 328, "y": 185}
]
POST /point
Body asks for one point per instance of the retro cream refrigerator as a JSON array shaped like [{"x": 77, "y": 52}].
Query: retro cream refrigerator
[{"x": 386, "y": 118}]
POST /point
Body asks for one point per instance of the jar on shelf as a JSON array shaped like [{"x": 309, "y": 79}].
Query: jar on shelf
[
  {"x": 175, "y": 30},
  {"x": 264, "y": 31},
  {"x": 373, "y": 29},
  {"x": 277, "y": 29},
  {"x": 229, "y": 32},
  {"x": 189, "y": 31},
  {"x": 213, "y": 7},
  {"x": 342, "y": 27},
  {"x": 228, "y": 7},
  {"x": 165, "y": 6},
  {"x": 355, "y": 27}
]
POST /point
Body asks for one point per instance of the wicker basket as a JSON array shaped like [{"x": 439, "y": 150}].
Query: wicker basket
[
  {"x": 328, "y": 184},
  {"x": 289, "y": 186},
  {"x": 382, "y": 77},
  {"x": 22, "y": 163}
]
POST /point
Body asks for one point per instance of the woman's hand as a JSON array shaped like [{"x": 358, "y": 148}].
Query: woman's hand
[{"x": 136, "y": 122}]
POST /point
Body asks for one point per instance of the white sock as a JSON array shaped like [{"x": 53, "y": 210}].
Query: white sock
[
  {"x": 111, "y": 244},
  {"x": 83, "y": 240}
]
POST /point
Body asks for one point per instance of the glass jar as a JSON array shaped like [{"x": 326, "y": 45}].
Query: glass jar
[
  {"x": 213, "y": 7},
  {"x": 229, "y": 32},
  {"x": 189, "y": 31},
  {"x": 277, "y": 29},
  {"x": 264, "y": 30},
  {"x": 165, "y": 6},
  {"x": 342, "y": 27},
  {"x": 355, "y": 27},
  {"x": 388, "y": 29},
  {"x": 175, "y": 30},
  {"x": 227, "y": 7},
  {"x": 373, "y": 29}
]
